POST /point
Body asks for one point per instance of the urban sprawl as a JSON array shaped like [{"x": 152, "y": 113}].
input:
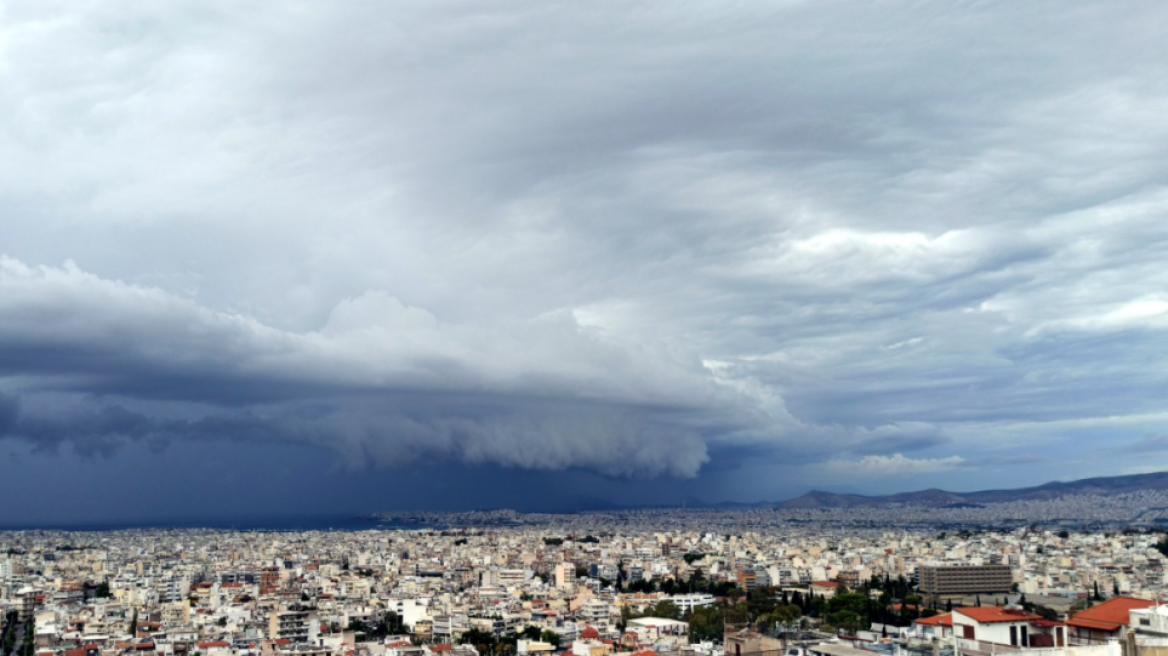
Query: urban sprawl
[{"x": 1073, "y": 577}]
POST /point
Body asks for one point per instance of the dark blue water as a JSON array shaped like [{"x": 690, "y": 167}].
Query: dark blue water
[{"x": 271, "y": 523}]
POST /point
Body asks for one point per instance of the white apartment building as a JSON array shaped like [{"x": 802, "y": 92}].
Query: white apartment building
[{"x": 688, "y": 602}]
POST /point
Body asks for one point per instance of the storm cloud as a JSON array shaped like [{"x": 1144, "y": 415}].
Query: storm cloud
[{"x": 638, "y": 240}]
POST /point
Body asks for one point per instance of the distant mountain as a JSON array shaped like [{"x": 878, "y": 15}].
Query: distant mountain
[{"x": 1106, "y": 486}]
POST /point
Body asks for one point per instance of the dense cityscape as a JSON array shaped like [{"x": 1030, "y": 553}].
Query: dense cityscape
[{"x": 631, "y": 582}]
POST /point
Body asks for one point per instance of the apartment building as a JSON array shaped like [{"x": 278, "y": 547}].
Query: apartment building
[{"x": 954, "y": 580}]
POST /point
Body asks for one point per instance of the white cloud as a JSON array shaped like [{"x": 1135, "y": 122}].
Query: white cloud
[{"x": 878, "y": 465}]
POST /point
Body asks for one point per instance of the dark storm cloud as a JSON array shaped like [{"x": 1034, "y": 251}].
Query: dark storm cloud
[
  {"x": 626, "y": 237},
  {"x": 9, "y": 412}
]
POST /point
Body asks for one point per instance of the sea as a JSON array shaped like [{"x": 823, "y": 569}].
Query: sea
[{"x": 260, "y": 523}]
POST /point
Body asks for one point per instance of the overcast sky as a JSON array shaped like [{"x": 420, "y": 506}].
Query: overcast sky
[{"x": 360, "y": 255}]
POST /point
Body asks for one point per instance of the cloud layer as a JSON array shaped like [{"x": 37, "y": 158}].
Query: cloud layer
[{"x": 629, "y": 238}]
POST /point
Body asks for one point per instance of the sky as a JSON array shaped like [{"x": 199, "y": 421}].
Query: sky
[{"x": 352, "y": 256}]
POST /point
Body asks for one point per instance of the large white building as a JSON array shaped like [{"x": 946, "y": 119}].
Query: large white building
[{"x": 688, "y": 602}]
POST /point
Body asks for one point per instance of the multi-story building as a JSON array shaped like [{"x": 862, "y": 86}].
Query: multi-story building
[
  {"x": 953, "y": 580},
  {"x": 688, "y": 602},
  {"x": 296, "y": 626},
  {"x": 747, "y": 579}
]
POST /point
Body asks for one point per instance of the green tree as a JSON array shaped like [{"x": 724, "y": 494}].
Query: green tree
[
  {"x": 479, "y": 638},
  {"x": 665, "y": 609},
  {"x": 550, "y": 637},
  {"x": 103, "y": 590},
  {"x": 530, "y": 633},
  {"x": 393, "y": 623},
  {"x": 706, "y": 623},
  {"x": 357, "y": 626}
]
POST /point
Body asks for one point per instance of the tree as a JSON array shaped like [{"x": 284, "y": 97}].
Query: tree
[
  {"x": 550, "y": 637},
  {"x": 103, "y": 590},
  {"x": 393, "y": 623},
  {"x": 784, "y": 615},
  {"x": 706, "y": 623},
  {"x": 1064, "y": 534},
  {"x": 357, "y": 626},
  {"x": 479, "y": 638},
  {"x": 665, "y": 609},
  {"x": 134, "y": 623},
  {"x": 530, "y": 633}
]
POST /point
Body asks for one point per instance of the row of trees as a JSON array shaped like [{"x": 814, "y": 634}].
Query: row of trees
[
  {"x": 697, "y": 583},
  {"x": 487, "y": 643},
  {"x": 8, "y": 639},
  {"x": 27, "y": 648}
]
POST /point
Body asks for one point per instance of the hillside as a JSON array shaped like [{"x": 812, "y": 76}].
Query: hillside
[{"x": 1106, "y": 486}]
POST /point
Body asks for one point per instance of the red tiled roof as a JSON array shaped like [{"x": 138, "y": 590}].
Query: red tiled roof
[
  {"x": 991, "y": 614},
  {"x": 1109, "y": 615},
  {"x": 1046, "y": 624},
  {"x": 825, "y": 584},
  {"x": 441, "y": 647},
  {"x": 944, "y": 619},
  {"x": 213, "y": 643}
]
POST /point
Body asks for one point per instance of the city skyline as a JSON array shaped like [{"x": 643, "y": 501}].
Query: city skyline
[{"x": 297, "y": 258}]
